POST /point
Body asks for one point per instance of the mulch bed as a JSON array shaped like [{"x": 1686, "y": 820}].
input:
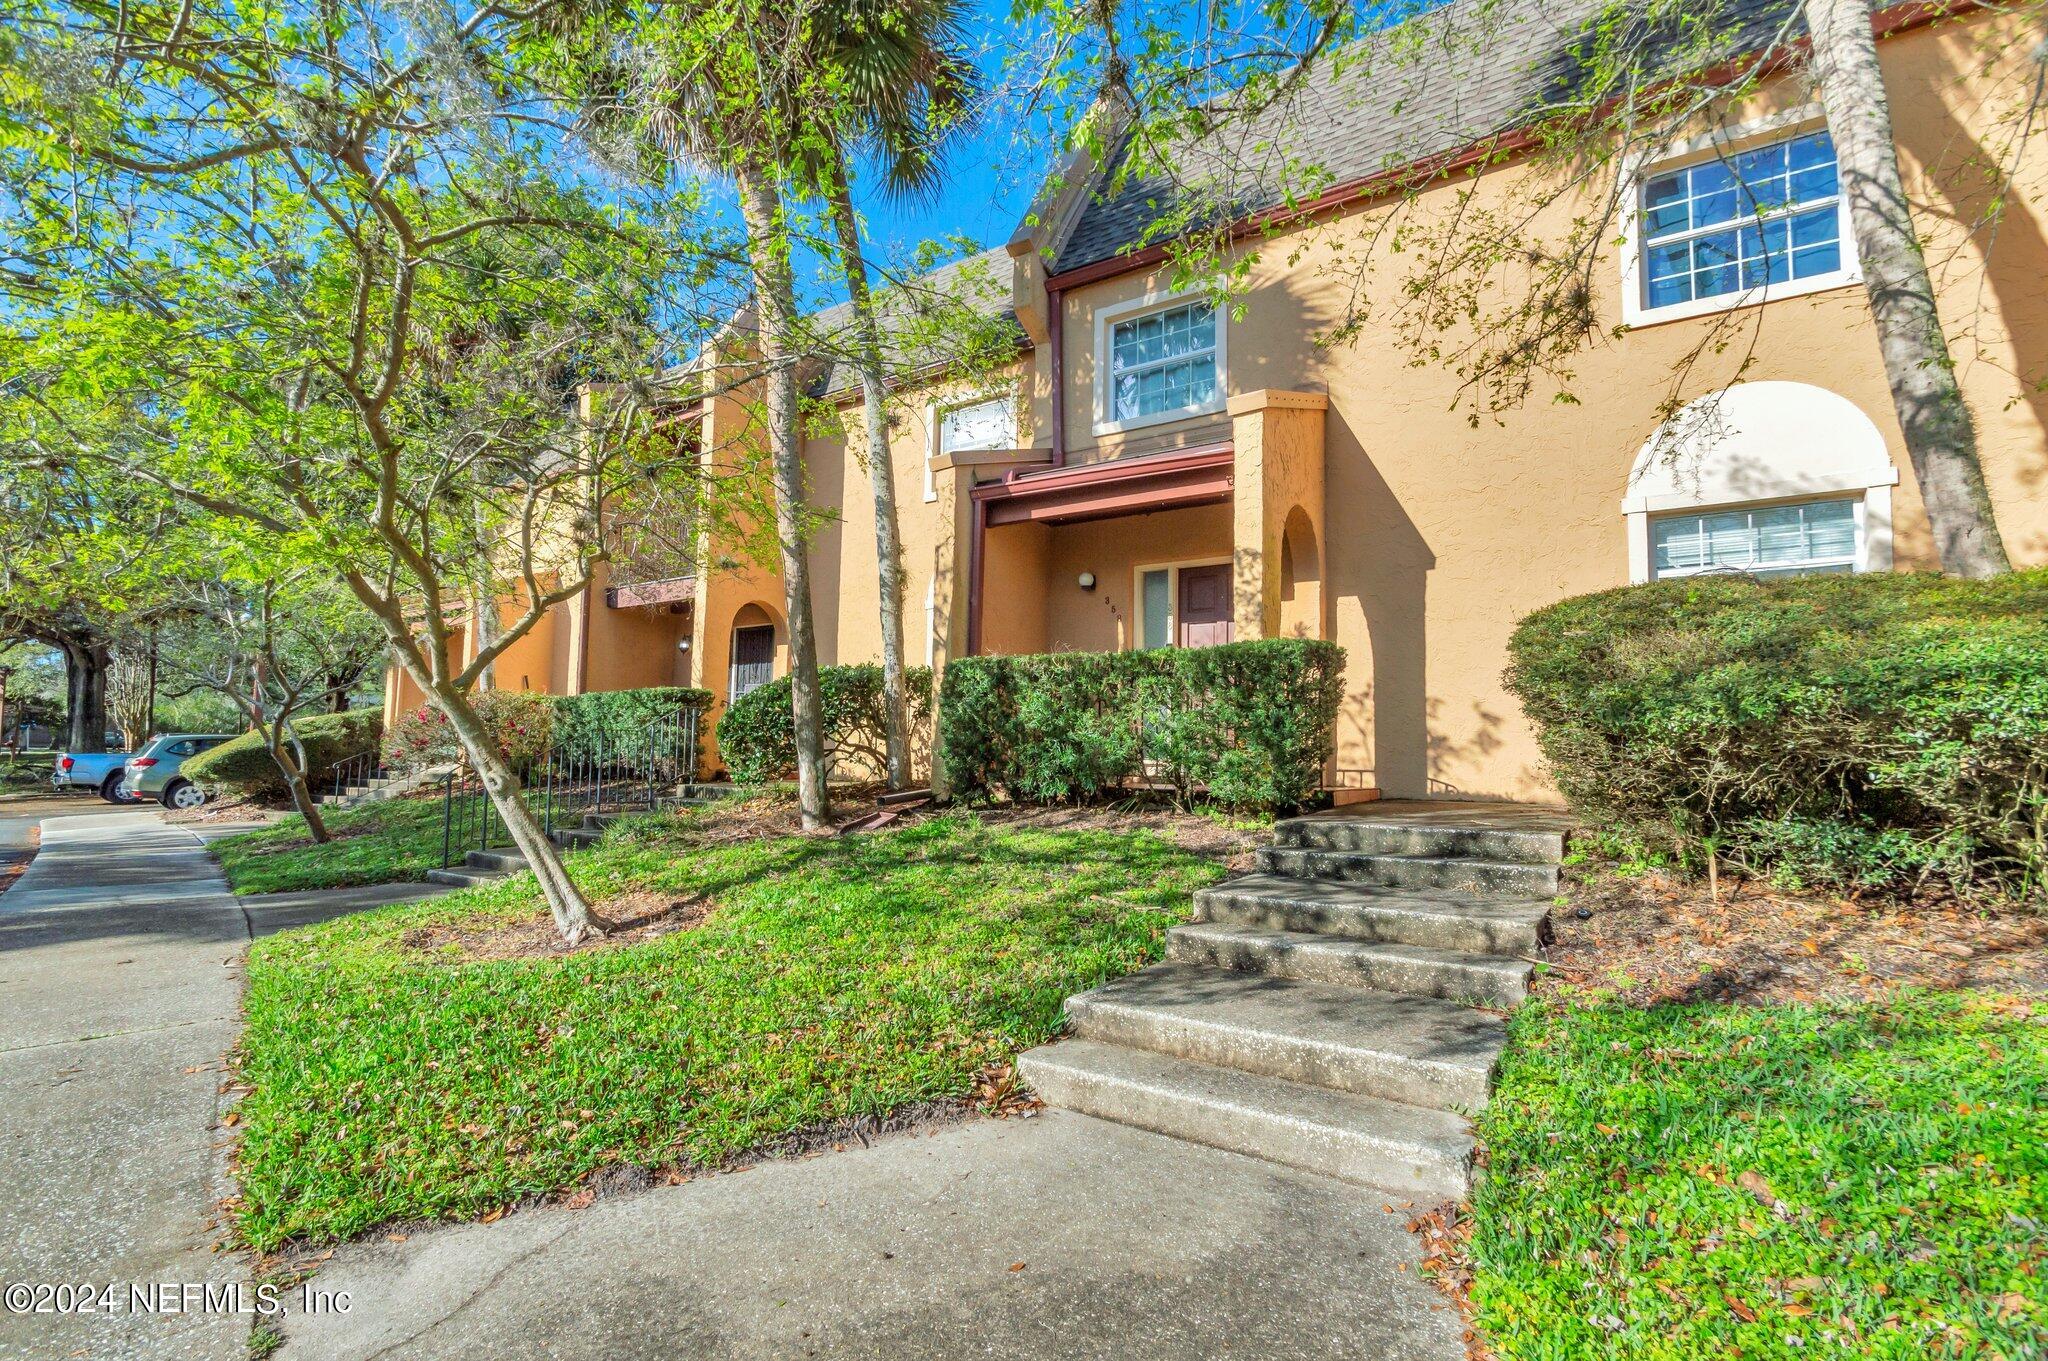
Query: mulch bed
[
  {"x": 1654, "y": 939},
  {"x": 636, "y": 918}
]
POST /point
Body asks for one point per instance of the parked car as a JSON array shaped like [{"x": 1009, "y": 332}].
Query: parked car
[
  {"x": 100, "y": 771},
  {"x": 153, "y": 772}
]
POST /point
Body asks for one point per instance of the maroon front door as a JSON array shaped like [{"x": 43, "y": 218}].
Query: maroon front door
[{"x": 1205, "y": 605}]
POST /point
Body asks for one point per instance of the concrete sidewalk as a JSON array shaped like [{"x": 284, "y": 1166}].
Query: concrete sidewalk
[
  {"x": 118, "y": 987},
  {"x": 1055, "y": 1238},
  {"x": 120, "y": 977}
]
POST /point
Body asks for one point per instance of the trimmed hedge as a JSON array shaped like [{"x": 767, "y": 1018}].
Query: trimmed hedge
[
  {"x": 243, "y": 766},
  {"x": 616, "y": 720},
  {"x": 1250, "y": 723},
  {"x": 528, "y": 725},
  {"x": 757, "y": 733},
  {"x": 1871, "y": 731}
]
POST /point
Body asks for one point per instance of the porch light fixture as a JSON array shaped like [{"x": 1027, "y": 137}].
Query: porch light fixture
[{"x": 1087, "y": 581}]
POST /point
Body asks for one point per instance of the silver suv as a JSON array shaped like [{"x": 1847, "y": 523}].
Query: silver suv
[{"x": 152, "y": 773}]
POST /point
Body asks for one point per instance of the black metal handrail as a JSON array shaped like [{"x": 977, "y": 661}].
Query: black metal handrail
[
  {"x": 355, "y": 772},
  {"x": 564, "y": 785}
]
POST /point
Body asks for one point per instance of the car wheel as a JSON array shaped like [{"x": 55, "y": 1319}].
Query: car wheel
[
  {"x": 184, "y": 796},
  {"x": 111, "y": 791}
]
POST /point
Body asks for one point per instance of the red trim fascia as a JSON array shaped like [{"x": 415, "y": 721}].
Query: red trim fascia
[
  {"x": 1124, "y": 486},
  {"x": 1886, "y": 23}
]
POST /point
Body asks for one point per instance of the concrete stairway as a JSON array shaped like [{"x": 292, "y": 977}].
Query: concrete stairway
[
  {"x": 381, "y": 787},
  {"x": 1339, "y": 1010}
]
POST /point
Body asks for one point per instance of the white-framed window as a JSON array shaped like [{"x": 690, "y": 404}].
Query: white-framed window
[
  {"x": 1771, "y": 478},
  {"x": 1156, "y": 361},
  {"x": 1802, "y": 538},
  {"x": 1736, "y": 219},
  {"x": 984, "y": 423}
]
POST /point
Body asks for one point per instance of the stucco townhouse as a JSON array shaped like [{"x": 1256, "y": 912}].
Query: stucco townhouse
[{"x": 1157, "y": 470}]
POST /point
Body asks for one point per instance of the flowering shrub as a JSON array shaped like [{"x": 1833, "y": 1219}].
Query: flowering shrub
[{"x": 520, "y": 721}]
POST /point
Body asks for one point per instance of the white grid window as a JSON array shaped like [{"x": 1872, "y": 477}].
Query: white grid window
[
  {"x": 1771, "y": 214},
  {"x": 1813, "y": 537},
  {"x": 1163, "y": 362}
]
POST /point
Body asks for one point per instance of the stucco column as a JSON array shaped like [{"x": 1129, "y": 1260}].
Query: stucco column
[
  {"x": 1278, "y": 443},
  {"x": 953, "y": 478}
]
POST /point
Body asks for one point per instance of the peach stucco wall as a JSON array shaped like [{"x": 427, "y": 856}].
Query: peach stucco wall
[{"x": 1435, "y": 533}]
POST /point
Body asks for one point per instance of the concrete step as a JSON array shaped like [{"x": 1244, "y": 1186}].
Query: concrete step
[
  {"x": 1409, "y": 871},
  {"x": 462, "y": 877},
  {"x": 1438, "y": 919},
  {"x": 1407, "y": 1150},
  {"x": 1417, "y": 1050},
  {"x": 502, "y": 862},
  {"x": 578, "y": 838},
  {"x": 1418, "y": 970},
  {"x": 1452, "y": 842}
]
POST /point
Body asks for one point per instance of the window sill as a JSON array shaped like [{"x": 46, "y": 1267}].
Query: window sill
[
  {"x": 1642, "y": 318},
  {"x": 1189, "y": 413}
]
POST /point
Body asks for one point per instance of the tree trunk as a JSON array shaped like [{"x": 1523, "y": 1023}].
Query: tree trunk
[
  {"x": 775, "y": 290},
  {"x": 881, "y": 473},
  {"x": 1941, "y": 438},
  {"x": 85, "y": 677},
  {"x": 572, "y": 914},
  {"x": 294, "y": 772},
  {"x": 484, "y": 615}
]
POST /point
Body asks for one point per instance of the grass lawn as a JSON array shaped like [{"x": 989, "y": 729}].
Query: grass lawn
[
  {"x": 378, "y": 843},
  {"x": 833, "y": 978},
  {"x": 1865, "y": 1179}
]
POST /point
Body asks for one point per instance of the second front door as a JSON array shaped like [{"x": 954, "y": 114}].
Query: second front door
[{"x": 1204, "y": 605}]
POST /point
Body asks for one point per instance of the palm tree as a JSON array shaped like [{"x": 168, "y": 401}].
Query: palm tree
[
  {"x": 722, "y": 86},
  {"x": 905, "y": 85}
]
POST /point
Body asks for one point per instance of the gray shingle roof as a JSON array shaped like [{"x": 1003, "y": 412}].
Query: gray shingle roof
[
  {"x": 1432, "y": 85},
  {"x": 978, "y": 285}
]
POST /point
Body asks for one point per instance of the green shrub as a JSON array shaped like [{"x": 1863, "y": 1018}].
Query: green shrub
[
  {"x": 243, "y": 766},
  {"x": 1250, "y": 723},
  {"x": 520, "y": 720},
  {"x": 757, "y": 733},
  {"x": 617, "y": 720},
  {"x": 1849, "y": 731}
]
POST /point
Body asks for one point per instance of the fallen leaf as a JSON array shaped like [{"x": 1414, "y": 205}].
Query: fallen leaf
[
  {"x": 1016, "y": 1266},
  {"x": 396, "y": 1237},
  {"x": 231, "y": 1117},
  {"x": 1740, "y": 1310}
]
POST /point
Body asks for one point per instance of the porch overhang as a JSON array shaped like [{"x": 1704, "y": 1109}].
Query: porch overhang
[
  {"x": 1099, "y": 491},
  {"x": 668, "y": 591}
]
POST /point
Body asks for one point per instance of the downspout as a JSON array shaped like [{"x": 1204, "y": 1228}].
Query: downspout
[
  {"x": 1055, "y": 307},
  {"x": 974, "y": 552},
  {"x": 583, "y": 637}
]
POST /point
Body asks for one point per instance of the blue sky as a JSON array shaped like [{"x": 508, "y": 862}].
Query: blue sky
[{"x": 993, "y": 169}]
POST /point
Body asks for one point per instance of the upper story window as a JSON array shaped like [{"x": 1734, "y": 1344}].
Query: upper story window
[
  {"x": 1817, "y": 536},
  {"x": 986, "y": 424},
  {"x": 1767, "y": 221},
  {"x": 1160, "y": 362}
]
